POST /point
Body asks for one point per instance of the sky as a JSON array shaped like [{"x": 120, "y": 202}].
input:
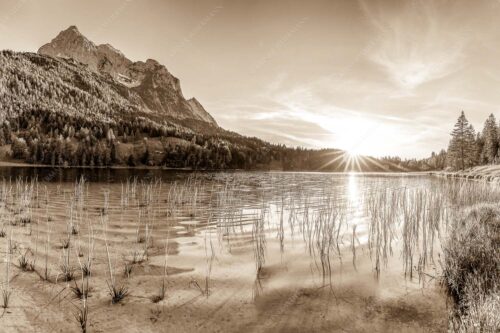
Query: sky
[{"x": 372, "y": 77}]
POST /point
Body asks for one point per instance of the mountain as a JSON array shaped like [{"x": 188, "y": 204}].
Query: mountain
[{"x": 152, "y": 86}]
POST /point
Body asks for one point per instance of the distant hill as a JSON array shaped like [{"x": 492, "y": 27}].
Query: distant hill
[{"x": 78, "y": 104}]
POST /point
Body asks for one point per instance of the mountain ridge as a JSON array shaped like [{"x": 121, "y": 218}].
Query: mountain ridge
[{"x": 159, "y": 90}]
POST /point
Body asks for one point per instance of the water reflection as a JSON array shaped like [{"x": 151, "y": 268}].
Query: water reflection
[
  {"x": 352, "y": 189},
  {"x": 248, "y": 235},
  {"x": 311, "y": 221}
]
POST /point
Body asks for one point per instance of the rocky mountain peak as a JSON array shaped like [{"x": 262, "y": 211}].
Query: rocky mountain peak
[
  {"x": 70, "y": 43},
  {"x": 72, "y": 29},
  {"x": 70, "y": 33},
  {"x": 159, "y": 89}
]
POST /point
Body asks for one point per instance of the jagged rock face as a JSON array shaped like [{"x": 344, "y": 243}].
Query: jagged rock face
[
  {"x": 70, "y": 43},
  {"x": 198, "y": 109},
  {"x": 111, "y": 60},
  {"x": 159, "y": 90}
]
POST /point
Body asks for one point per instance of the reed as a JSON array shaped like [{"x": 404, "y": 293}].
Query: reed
[
  {"x": 205, "y": 287},
  {"x": 82, "y": 291},
  {"x": 116, "y": 292},
  {"x": 48, "y": 233},
  {"x": 6, "y": 291},
  {"x": 82, "y": 316},
  {"x": 163, "y": 288},
  {"x": 127, "y": 270}
]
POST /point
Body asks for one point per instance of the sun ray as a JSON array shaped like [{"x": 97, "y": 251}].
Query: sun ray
[{"x": 340, "y": 156}]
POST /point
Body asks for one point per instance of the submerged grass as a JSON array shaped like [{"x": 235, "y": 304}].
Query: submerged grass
[
  {"x": 117, "y": 293},
  {"x": 80, "y": 292},
  {"x": 26, "y": 265},
  {"x": 6, "y": 298}
]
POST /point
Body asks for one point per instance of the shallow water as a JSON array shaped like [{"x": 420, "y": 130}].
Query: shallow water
[{"x": 279, "y": 251}]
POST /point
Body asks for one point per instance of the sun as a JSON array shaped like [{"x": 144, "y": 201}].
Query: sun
[
  {"x": 358, "y": 136},
  {"x": 353, "y": 160},
  {"x": 353, "y": 152}
]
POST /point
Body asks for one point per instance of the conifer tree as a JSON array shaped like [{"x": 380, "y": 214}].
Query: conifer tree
[
  {"x": 471, "y": 147},
  {"x": 462, "y": 144},
  {"x": 490, "y": 141},
  {"x": 479, "y": 148}
]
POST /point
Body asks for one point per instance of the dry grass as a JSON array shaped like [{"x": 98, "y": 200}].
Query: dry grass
[{"x": 472, "y": 269}]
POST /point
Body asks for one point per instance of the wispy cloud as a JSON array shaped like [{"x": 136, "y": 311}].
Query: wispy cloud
[{"x": 416, "y": 43}]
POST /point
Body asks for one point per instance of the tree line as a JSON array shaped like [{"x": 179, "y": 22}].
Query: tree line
[
  {"x": 52, "y": 138},
  {"x": 468, "y": 148}
]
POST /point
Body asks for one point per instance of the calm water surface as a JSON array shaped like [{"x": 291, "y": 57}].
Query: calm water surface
[
  {"x": 251, "y": 236},
  {"x": 276, "y": 218}
]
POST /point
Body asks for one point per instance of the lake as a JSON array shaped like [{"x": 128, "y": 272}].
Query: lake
[{"x": 237, "y": 251}]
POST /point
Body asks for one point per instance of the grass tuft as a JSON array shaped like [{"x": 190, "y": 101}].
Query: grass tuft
[
  {"x": 25, "y": 265},
  {"x": 24, "y": 221},
  {"x": 65, "y": 243},
  {"x": 80, "y": 292},
  {"x": 67, "y": 273},
  {"x": 86, "y": 269},
  {"x": 161, "y": 294},
  {"x": 127, "y": 270},
  {"x": 6, "y": 298},
  {"x": 117, "y": 293}
]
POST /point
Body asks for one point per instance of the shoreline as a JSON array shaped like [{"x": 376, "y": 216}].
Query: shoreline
[
  {"x": 489, "y": 173},
  {"x": 20, "y": 164}
]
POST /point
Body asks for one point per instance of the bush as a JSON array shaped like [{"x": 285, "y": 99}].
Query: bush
[
  {"x": 472, "y": 269},
  {"x": 481, "y": 317},
  {"x": 19, "y": 148}
]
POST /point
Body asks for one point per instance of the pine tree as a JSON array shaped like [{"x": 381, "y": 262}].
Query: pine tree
[
  {"x": 471, "y": 147},
  {"x": 462, "y": 144},
  {"x": 479, "y": 148},
  {"x": 146, "y": 158},
  {"x": 490, "y": 141},
  {"x": 131, "y": 161},
  {"x": 113, "y": 154}
]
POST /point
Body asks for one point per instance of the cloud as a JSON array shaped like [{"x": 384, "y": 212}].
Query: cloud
[
  {"x": 398, "y": 92},
  {"x": 415, "y": 41}
]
